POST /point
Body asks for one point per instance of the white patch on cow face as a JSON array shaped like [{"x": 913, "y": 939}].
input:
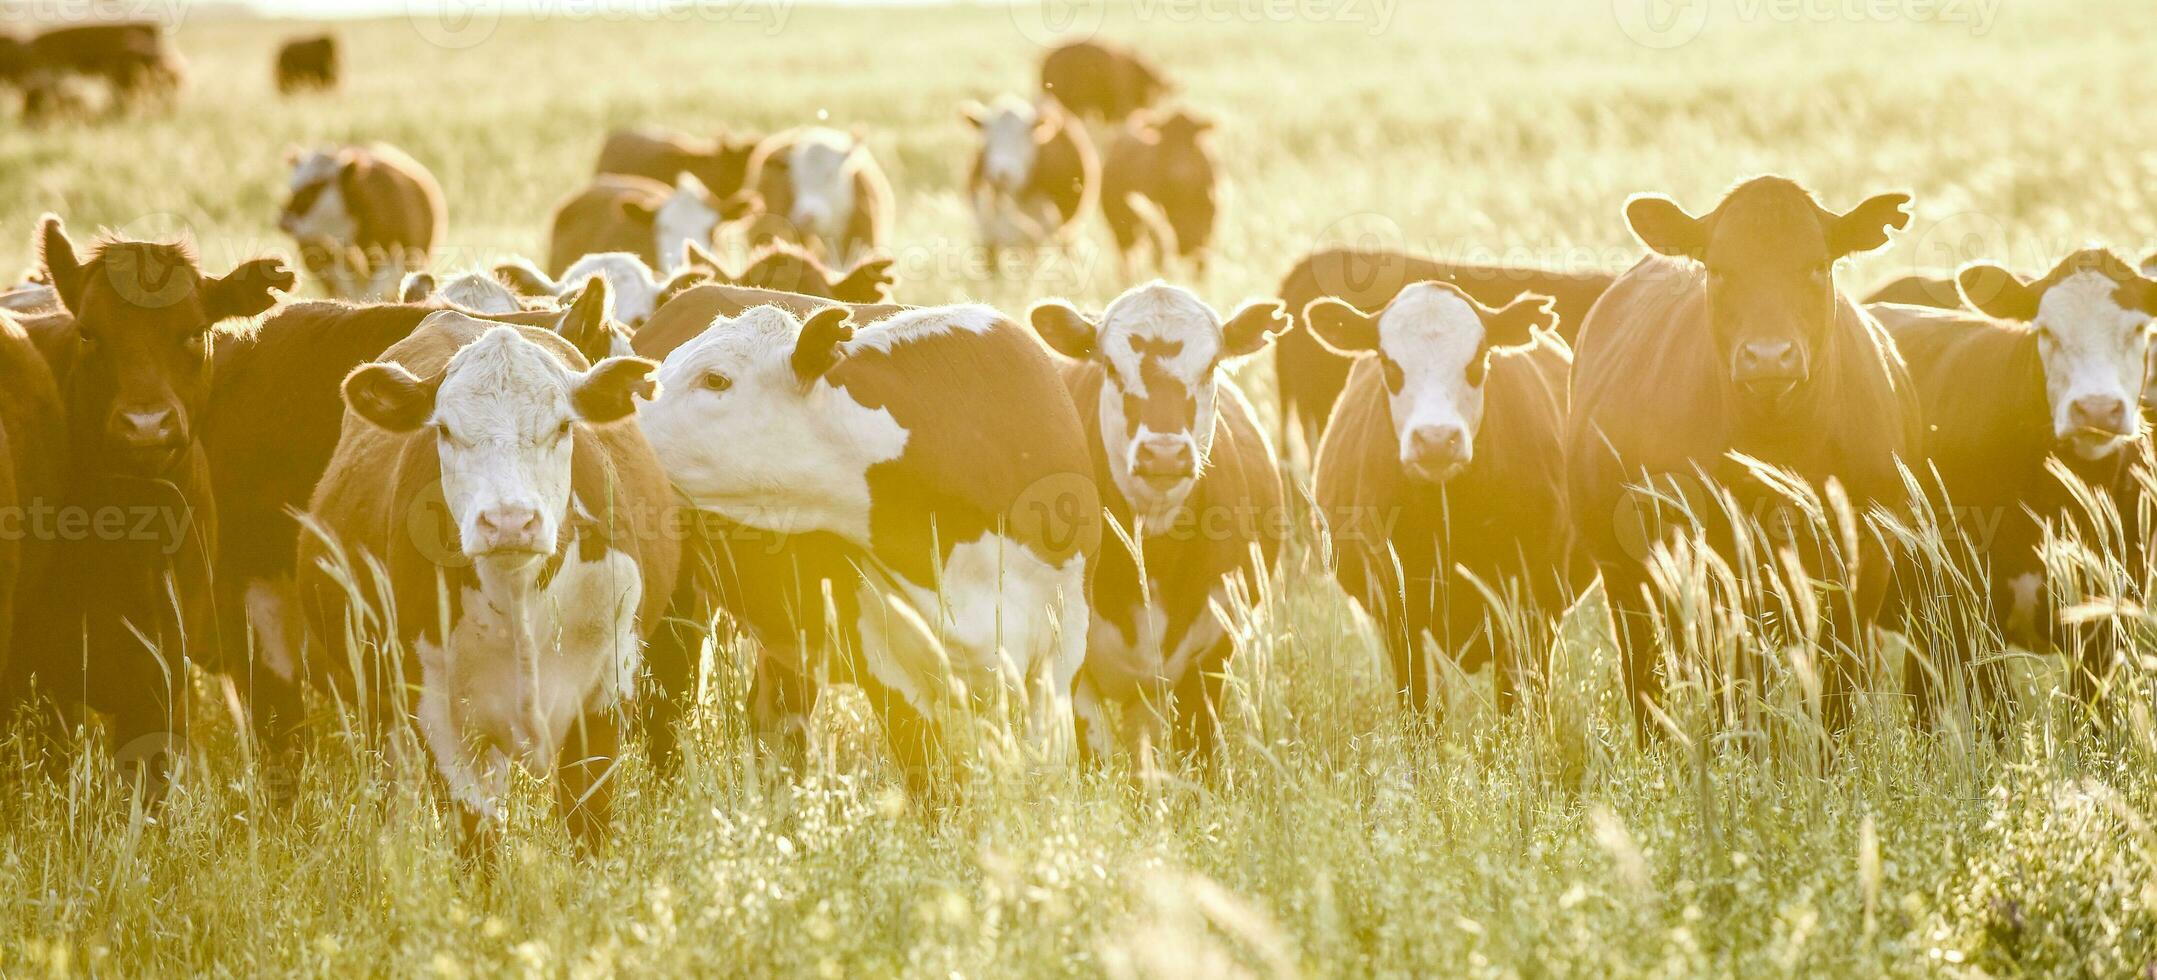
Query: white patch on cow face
[
  {"x": 503, "y": 430},
  {"x": 1160, "y": 345},
  {"x": 821, "y": 166},
  {"x": 740, "y": 435},
  {"x": 480, "y": 293},
  {"x": 2096, "y": 357},
  {"x": 1433, "y": 337},
  {"x": 326, "y": 219},
  {"x": 687, "y": 216},
  {"x": 1007, "y": 144},
  {"x": 631, "y": 284}
]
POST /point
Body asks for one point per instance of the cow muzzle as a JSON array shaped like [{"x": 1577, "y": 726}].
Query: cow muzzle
[
  {"x": 1437, "y": 453},
  {"x": 2098, "y": 424},
  {"x": 1768, "y": 369},
  {"x": 146, "y": 441},
  {"x": 1163, "y": 464},
  {"x": 508, "y": 532}
]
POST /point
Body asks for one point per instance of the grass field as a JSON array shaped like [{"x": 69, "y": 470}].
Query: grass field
[{"x": 1338, "y": 836}]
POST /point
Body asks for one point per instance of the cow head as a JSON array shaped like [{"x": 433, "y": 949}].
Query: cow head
[
  {"x": 315, "y": 210},
  {"x": 820, "y": 165},
  {"x": 143, "y": 313},
  {"x": 787, "y": 268},
  {"x": 477, "y": 292},
  {"x": 502, "y": 414},
  {"x": 1159, "y": 347},
  {"x": 689, "y": 214},
  {"x": 1770, "y": 252},
  {"x": 1012, "y": 134},
  {"x": 1434, "y": 344},
  {"x": 2092, "y": 315}
]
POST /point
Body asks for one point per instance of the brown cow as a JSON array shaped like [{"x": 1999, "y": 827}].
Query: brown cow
[
  {"x": 484, "y": 464},
  {"x": 642, "y": 217},
  {"x": 2054, "y": 373},
  {"x": 133, "y": 593},
  {"x": 1310, "y": 377},
  {"x": 1442, "y": 467},
  {"x": 1181, "y": 465},
  {"x": 721, "y": 164},
  {"x": 1099, "y": 80},
  {"x": 307, "y": 63},
  {"x": 33, "y": 473},
  {"x": 1034, "y": 176},
  {"x": 787, "y": 268},
  {"x": 1157, "y": 184},
  {"x": 821, "y": 189},
  {"x": 363, "y": 216},
  {"x": 1733, "y": 339},
  {"x": 936, "y": 474},
  {"x": 134, "y": 59}
]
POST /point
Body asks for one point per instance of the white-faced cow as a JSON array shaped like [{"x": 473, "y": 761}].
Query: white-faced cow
[
  {"x": 1182, "y": 466},
  {"x": 939, "y": 454},
  {"x": 1442, "y": 473},
  {"x": 473, "y": 292},
  {"x": 821, "y": 189},
  {"x": 1034, "y": 176},
  {"x": 633, "y": 285},
  {"x": 645, "y": 218},
  {"x": 498, "y": 482},
  {"x": 2055, "y": 372},
  {"x": 363, "y": 216},
  {"x": 1733, "y": 339}
]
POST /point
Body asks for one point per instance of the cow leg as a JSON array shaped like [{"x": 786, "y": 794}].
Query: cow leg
[
  {"x": 1089, "y": 718},
  {"x": 782, "y": 701},
  {"x": 1196, "y": 703},
  {"x": 584, "y": 777},
  {"x": 1633, "y": 626}
]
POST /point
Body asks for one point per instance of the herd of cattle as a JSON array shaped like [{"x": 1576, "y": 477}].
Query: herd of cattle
[{"x": 510, "y": 503}]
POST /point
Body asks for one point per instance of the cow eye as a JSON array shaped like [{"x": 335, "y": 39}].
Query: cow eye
[
  {"x": 441, "y": 431},
  {"x": 1476, "y": 367},
  {"x": 714, "y": 381},
  {"x": 562, "y": 431}
]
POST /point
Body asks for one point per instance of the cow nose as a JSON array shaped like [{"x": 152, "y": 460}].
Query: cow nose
[
  {"x": 509, "y": 529},
  {"x": 1165, "y": 459},
  {"x": 1438, "y": 447},
  {"x": 153, "y": 429},
  {"x": 2104, "y": 412},
  {"x": 1768, "y": 360}
]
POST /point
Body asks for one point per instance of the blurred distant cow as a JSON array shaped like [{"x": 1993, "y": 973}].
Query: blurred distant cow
[
  {"x": 821, "y": 189},
  {"x": 637, "y": 215},
  {"x": 789, "y": 269},
  {"x": 1157, "y": 182},
  {"x": 133, "y": 58},
  {"x": 1102, "y": 81},
  {"x": 307, "y": 63},
  {"x": 1034, "y": 175},
  {"x": 721, "y": 163},
  {"x": 363, "y": 216},
  {"x": 636, "y": 289}
]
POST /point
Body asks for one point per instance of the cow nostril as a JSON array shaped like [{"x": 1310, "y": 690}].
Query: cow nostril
[{"x": 2100, "y": 412}]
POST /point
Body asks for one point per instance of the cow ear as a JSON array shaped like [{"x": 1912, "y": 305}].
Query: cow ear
[
  {"x": 1664, "y": 227},
  {"x": 1064, "y": 328},
  {"x": 246, "y": 291},
  {"x": 1864, "y": 228},
  {"x": 416, "y": 288},
  {"x": 741, "y": 205},
  {"x": 1251, "y": 328},
  {"x": 608, "y": 392},
  {"x": 57, "y": 255},
  {"x": 819, "y": 349},
  {"x": 388, "y": 395},
  {"x": 588, "y": 323},
  {"x": 634, "y": 210},
  {"x": 1517, "y": 323},
  {"x": 1997, "y": 293},
  {"x": 695, "y": 256},
  {"x": 1341, "y": 328},
  {"x": 869, "y": 281},
  {"x": 525, "y": 279},
  {"x": 975, "y": 114}
]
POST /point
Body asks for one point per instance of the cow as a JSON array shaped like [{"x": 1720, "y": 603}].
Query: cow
[
  {"x": 494, "y": 475},
  {"x": 927, "y": 473},
  {"x": 1310, "y": 377},
  {"x": 1103, "y": 81},
  {"x": 1181, "y": 465},
  {"x": 363, "y": 216},
  {"x": 1729, "y": 344},
  {"x": 307, "y": 63},
  {"x": 473, "y": 292},
  {"x": 134, "y": 59},
  {"x": 788, "y": 268},
  {"x": 721, "y": 164},
  {"x": 1035, "y": 175},
  {"x": 2045, "y": 369},
  {"x": 642, "y": 217},
  {"x": 823, "y": 190},
  {"x": 1441, "y": 473},
  {"x": 33, "y": 472},
  {"x": 1157, "y": 185},
  {"x": 635, "y": 287},
  {"x": 692, "y": 310},
  {"x": 129, "y": 602},
  {"x": 269, "y": 431}
]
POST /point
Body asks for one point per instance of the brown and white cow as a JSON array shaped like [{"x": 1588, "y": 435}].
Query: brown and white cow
[
  {"x": 1100, "y": 80},
  {"x": 1183, "y": 468},
  {"x": 136, "y": 521},
  {"x": 307, "y": 63},
  {"x": 642, "y": 217},
  {"x": 363, "y": 216},
  {"x": 1034, "y": 176},
  {"x": 1733, "y": 339},
  {"x": 636, "y": 289},
  {"x": 928, "y": 471},
  {"x": 2052, "y": 369},
  {"x": 821, "y": 189},
  {"x": 788, "y": 268},
  {"x": 1310, "y": 377},
  {"x": 1442, "y": 472},
  {"x": 510, "y": 501},
  {"x": 1157, "y": 185},
  {"x": 474, "y": 292},
  {"x": 721, "y": 163},
  {"x": 692, "y": 310},
  {"x": 134, "y": 59}
]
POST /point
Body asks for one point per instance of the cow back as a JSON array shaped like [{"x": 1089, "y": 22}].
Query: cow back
[{"x": 692, "y": 311}]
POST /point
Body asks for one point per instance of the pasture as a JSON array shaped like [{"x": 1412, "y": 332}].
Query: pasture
[{"x": 1336, "y": 835}]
